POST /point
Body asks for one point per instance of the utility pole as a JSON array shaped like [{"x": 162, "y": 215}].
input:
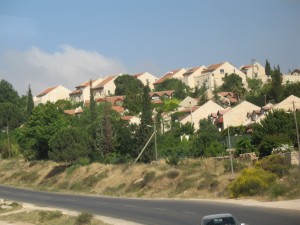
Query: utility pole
[
  {"x": 230, "y": 151},
  {"x": 297, "y": 132},
  {"x": 155, "y": 141}
]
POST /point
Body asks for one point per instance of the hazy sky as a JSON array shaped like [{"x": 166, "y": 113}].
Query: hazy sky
[{"x": 47, "y": 43}]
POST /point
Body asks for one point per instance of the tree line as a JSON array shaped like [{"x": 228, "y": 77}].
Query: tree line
[{"x": 100, "y": 135}]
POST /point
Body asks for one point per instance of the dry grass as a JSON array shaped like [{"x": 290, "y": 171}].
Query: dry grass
[{"x": 192, "y": 178}]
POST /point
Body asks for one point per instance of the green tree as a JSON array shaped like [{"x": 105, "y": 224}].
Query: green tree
[
  {"x": 268, "y": 68},
  {"x": 276, "y": 85},
  {"x": 127, "y": 83},
  {"x": 277, "y": 128},
  {"x": 70, "y": 144},
  {"x": 45, "y": 121},
  {"x": 181, "y": 89},
  {"x": 244, "y": 145},
  {"x": 234, "y": 83},
  {"x": 30, "y": 104},
  {"x": 145, "y": 131},
  {"x": 291, "y": 89},
  {"x": 10, "y": 115},
  {"x": 132, "y": 88},
  {"x": 254, "y": 86},
  {"x": 215, "y": 149},
  {"x": 207, "y": 133},
  {"x": 92, "y": 104},
  {"x": 8, "y": 93}
]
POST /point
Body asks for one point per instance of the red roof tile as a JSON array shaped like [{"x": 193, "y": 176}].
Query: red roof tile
[
  {"x": 46, "y": 91},
  {"x": 75, "y": 92},
  {"x": 85, "y": 84},
  {"x": 118, "y": 109},
  {"x": 161, "y": 93},
  {"x": 212, "y": 67},
  {"x": 105, "y": 81}
]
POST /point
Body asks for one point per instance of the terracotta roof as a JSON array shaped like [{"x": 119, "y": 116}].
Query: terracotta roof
[
  {"x": 192, "y": 70},
  {"x": 246, "y": 66},
  {"x": 137, "y": 75},
  {"x": 46, "y": 91},
  {"x": 157, "y": 101},
  {"x": 119, "y": 109},
  {"x": 105, "y": 81},
  {"x": 85, "y": 84},
  {"x": 75, "y": 92},
  {"x": 111, "y": 99},
  {"x": 73, "y": 111},
  {"x": 126, "y": 118},
  {"x": 168, "y": 75},
  {"x": 161, "y": 93},
  {"x": 212, "y": 67}
]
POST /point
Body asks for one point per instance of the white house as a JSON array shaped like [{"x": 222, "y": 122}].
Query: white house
[
  {"x": 213, "y": 75},
  {"x": 51, "y": 94},
  {"x": 200, "y": 113},
  {"x": 146, "y": 78},
  {"x": 190, "y": 74},
  {"x": 188, "y": 102},
  {"x": 255, "y": 70},
  {"x": 105, "y": 88},
  {"x": 177, "y": 74},
  {"x": 82, "y": 91}
]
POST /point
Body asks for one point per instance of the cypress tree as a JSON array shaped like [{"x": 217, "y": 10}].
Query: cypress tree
[
  {"x": 268, "y": 68},
  {"x": 30, "y": 104}
]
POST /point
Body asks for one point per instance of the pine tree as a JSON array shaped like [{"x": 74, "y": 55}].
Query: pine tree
[
  {"x": 107, "y": 132},
  {"x": 268, "y": 68},
  {"x": 146, "y": 128},
  {"x": 92, "y": 104},
  {"x": 276, "y": 87},
  {"x": 30, "y": 104}
]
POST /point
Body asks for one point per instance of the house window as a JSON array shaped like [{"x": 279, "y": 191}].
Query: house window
[
  {"x": 108, "y": 92},
  {"x": 222, "y": 71}
]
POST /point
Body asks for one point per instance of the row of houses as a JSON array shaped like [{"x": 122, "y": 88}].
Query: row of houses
[{"x": 211, "y": 76}]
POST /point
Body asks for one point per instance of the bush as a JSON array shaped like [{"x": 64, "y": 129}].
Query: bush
[
  {"x": 252, "y": 181},
  {"x": 172, "y": 174},
  {"x": 274, "y": 163},
  {"x": 49, "y": 215},
  {"x": 84, "y": 218},
  {"x": 237, "y": 166}
]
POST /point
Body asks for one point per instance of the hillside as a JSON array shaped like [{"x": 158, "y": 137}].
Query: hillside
[{"x": 201, "y": 178}]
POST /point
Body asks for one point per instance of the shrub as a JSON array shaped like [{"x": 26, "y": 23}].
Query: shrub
[
  {"x": 49, "y": 215},
  {"x": 208, "y": 181},
  {"x": 237, "y": 166},
  {"x": 185, "y": 185},
  {"x": 84, "y": 218},
  {"x": 172, "y": 174},
  {"x": 252, "y": 181},
  {"x": 274, "y": 163},
  {"x": 278, "y": 190}
]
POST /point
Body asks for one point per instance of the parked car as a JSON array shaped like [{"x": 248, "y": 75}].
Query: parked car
[{"x": 220, "y": 219}]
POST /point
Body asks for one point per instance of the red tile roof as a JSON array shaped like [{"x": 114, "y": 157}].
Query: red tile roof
[
  {"x": 212, "y": 67},
  {"x": 192, "y": 70},
  {"x": 168, "y": 75},
  {"x": 75, "y": 92},
  {"x": 85, "y": 84},
  {"x": 105, "y": 81},
  {"x": 46, "y": 91},
  {"x": 111, "y": 99},
  {"x": 73, "y": 111},
  {"x": 137, "y": 75},
  {"x": 118, "y": 109},
  {"x": 161, "y": 93},
  {"x": 157, "y": 101}
]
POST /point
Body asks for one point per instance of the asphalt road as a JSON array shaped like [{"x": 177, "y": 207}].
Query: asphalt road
[{"x": 152, "y": 212}]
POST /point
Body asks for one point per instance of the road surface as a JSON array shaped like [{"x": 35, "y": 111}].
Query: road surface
[{"x": 153, "y": 212}]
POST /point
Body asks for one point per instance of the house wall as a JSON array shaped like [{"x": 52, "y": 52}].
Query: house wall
[
  {"x": 188, "y": 102},
  {"x": 179, "y": 74},
  {"x": 256, "y": 71},
  {"x": 201, "y": 113},
  {"x": 147, "y": 77},
  {"x": 59, "y": 93},
  {"x": 216, "y": 76},
  {"x": 238, "y": 115},
  {"x": 290, "y": 78},
  {"x": 190, "y": 80}
]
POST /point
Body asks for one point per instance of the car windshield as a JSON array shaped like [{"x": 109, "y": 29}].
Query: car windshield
[{"x": 220, "y": 221}]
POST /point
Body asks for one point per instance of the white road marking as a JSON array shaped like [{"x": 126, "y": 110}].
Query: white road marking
[
  {"x": 131, "y": 206},
  {"x": 189, "y": 212}
]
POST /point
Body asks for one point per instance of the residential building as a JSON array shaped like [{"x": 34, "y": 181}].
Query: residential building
[
  {"x": 213, "y": 75},
  {"x": 177, "y": 74},
  {"x": 202, "y": 112},
  {"x": 51, "y": 94},
  {"x": 161, "y": 95},
  {"x": 188, "y": 102},
  {"x": 237, "y": 115},
  {"x": 105, "y": 88},
  {"x": 255, "y": 70},
  {"x": 146, "y": 78},
  {"x": 82, "y": 91},
  {"x": 190, "y": 74},
  {"x": 288, "y": 104}
]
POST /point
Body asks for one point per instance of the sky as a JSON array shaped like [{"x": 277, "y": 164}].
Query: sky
[{"x": 67, "y": 42}]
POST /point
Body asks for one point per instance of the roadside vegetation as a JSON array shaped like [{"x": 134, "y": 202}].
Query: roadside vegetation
[
  {"x": 15, "y": 212},
  {"x": 44, "y": 148}
]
